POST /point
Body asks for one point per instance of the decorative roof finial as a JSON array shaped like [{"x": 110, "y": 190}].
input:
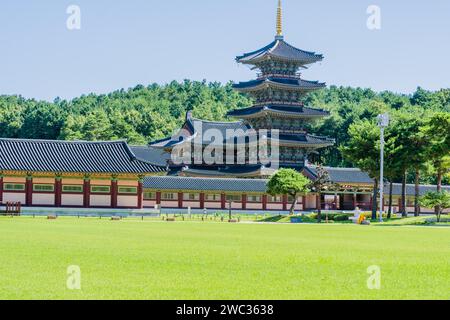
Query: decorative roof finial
[{"x": 279, "y": 21}]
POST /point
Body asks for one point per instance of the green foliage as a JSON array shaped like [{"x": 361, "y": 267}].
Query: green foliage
[
  {"x": 145, "y": 113},
  {"x": 440, "y": 200},
  {"x": 288, "y": 182}
]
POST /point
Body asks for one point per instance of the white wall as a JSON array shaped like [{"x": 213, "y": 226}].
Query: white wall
[
  {"x": 43, "y": 199},
  {"x": 213, "y": 205},
  {"x": 72, "y": 200},
  {"x": 127, "y": 201},
  {"x": 14, "y": 197},
  {"x": 193, "y": 205},
  {"x": 100, "y": 201}
]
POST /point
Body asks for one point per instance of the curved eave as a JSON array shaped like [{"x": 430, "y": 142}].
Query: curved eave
[
  {"x": 282, "y": 51},
  {"x": 242, "y": 87},
  {"x": 288, "y": 143},
  {"x": 263, "y": 171},
  {"x": 287, "y": 114}
]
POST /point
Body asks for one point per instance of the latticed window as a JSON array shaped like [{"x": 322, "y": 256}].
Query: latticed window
[
  {"x": 213, "y": 197},
  {"x": 169, "y": 196},
  {"x": 100, "y": 189},
  {"x": 43, "y": 187},
  {"x": 13, "y": 187},
  {"x": 128, "y": 190},
  {"x": 234, "y": 198},
  {"x": 191, "y": 196},
  {"x": 254, "y": 198},
  {"x": 72, "y": 189},
  {"x": 149, "y": 195},
  {"x": 275, "y": 199}
]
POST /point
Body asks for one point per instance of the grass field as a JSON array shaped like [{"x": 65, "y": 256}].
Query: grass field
[{"x": 134, "y": 259}]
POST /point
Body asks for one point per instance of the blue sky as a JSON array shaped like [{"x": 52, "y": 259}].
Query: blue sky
[{"x": 125, "y": 43}]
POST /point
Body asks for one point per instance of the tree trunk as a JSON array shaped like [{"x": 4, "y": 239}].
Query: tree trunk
[
  {"x": 439, "y": 189},
  {"x": 391, "y": 187},
  {"x": 374, "y": 200},
  {"x": 404, "y": 213},
  {"x": 417, "y": 194},
  {"x": 439, "y": 215},
  {"x": 292, "y": 211},
  {"x": 319, "y": 207}
]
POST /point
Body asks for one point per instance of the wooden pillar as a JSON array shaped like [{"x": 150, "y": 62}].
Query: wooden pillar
[
  {"x": 223, "y": 200},
  {"x": 244, "y": 202},
  {"x": 336, "y": 205},
  {"x": 285, "y": 200},
  {"x": 58, "y": 192},
  {"x": 140, "y": 194},
  {"x": 1, "y": 189},
  {"x": 180, "y": 200},
  {"x": 202, "y": 200},
  {"x": 318, "y": 202},
  {"x": 354, "y": 201},
  {"x": 29, "y": 191},
  {"x": 400, "y": 205},
  {"x": 87, "y": 193},
  {"x": 264, "y": 202},
  {"x": 114, "y": 190},
  {"x": 158, "y": 198}
]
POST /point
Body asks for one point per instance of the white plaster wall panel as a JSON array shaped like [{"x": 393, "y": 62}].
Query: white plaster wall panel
[
  {"x": 193, "y": 205},
  {"x": 254, "y": 206},
  {"x": 14, "y": 197},
  {"x": 72, "y": 200},
  {"x": 169, "y": 204},
  {"x": 100, "y": 201},
  {"x": 43, "y": 199},
  {"x": 149, "y": 204},
  {"x": 213, "y": 205},
  {"x": 274, "y": 206},
  {"x": 127, "y": 201}
]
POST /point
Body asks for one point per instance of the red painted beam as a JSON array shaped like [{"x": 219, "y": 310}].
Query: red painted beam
[
  {"x": 114, "y": 190},
  {"x": 140, "y": 195},
  {"x": 29, "y": 191},
  {"x": 87, "y": 193},
  {"x": 58, "y": 192},
  {"x": 264, "y": 202},
  {"x": 1, "y": 189},
  {"x": 202, "y": 201}
]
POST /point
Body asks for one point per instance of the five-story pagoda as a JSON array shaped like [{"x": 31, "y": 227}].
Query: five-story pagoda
[{"x": 278, "y": 91}]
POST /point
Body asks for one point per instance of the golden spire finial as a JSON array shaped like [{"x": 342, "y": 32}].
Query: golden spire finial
[{"x": 279, "y": 20}]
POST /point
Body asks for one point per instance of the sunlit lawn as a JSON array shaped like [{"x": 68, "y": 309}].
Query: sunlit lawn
[{"x": 133, "y": 259}]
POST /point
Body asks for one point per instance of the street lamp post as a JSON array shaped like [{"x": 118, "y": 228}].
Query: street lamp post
[{"x": 383, "y": 123}]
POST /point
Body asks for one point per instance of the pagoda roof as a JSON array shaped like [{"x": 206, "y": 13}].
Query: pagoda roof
[
  {"x": 342, "y": 175},
  {"x": 280, "y": 50},
  {"x": 49, "y": 156},
  {"x": 205, "y": 184},
  {"x": 228, "y": 171},
  {"x": 304, "y": 139},
  {"x": 282, "y": 110},
  {"x": 190, "y": 127},
  {"x": 283, "y": 83}
]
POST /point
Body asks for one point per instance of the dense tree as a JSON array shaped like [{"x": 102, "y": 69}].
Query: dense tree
[
  {"x": 288, "y": 182},
  {"x": 439, "y": 200},
  {"x": 145, "y": 113},
  {"x": 321, "y": 183},
  {"x": 363, "y": 151}
]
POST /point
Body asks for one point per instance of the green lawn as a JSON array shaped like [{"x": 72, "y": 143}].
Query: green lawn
[{"x": 133, "y": 259}]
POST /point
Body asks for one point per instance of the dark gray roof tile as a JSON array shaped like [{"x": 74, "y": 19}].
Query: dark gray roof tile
[{"x": 71, "y": 157}]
